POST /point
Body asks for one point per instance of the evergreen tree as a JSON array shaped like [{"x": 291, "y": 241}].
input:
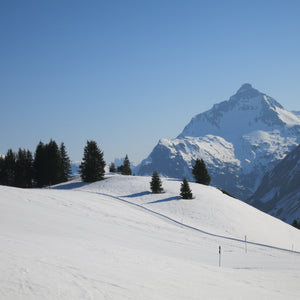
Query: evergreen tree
[
  {"x": 53, "y": 163},
  {"x": 39, "y": 165},
  {"x": 23, "y": 169},
  {"x": 112, "y": 168},
  {"x": 185, "y": 191},
  {"x": 16, "y": 169},
  {"x": 10, "y": 168},
  {"x": 155, "y": 184},
  {"x": 48, "y": 166},
  {"x": 296, "y": 224},
  {"x": 200, "y": 172},
  {"x": 29, "y": 169},
  {"x": 120, "y": 169},
  {"x": 20, "y": 168},
  {"x": 92, "y": 166},
  {"x": 65, "y": 167},
  {"x": 2, "y": 170},
  {"x": 126, "y": 170}
]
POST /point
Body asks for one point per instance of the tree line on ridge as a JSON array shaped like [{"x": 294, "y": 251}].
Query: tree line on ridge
[{"x": 51, "y": 165}]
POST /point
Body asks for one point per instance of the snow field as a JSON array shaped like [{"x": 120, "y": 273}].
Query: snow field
[{"x": 101, "y": 241}]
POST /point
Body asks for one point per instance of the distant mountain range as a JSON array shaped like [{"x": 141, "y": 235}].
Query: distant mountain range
[
  {"x": 240, "y": 140},
  {"x": 296, "y": 113},
  {"x": 75, "y": 167},
  {"x": 279, "y": 191}
]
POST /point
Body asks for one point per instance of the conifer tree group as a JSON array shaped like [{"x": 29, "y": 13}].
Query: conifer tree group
[
  {"x": 51, "y": 165},
  {"x": 200, "y": 172},
  {"x": 16, "y": 169},
  {"x": 125, "y": 169}
]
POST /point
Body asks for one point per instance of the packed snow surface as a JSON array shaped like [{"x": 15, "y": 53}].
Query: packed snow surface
[{"x": 115, "y": 240}]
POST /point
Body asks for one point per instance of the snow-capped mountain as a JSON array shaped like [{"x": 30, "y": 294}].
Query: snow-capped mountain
[
  {"x": 119, "y": 161},
  {"x": 75, "y": 167},
  {"x": 279, "y": 191},
  {"x": 239, "y": 139},
  {"x": 296, "y": 113}
]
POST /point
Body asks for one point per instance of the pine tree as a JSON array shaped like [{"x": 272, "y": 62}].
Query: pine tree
[
  {"x": 200, "y": 172},
  {"x": 185, "y": 191},
  {"x": 10, "y": 168},
  {"x": 2, "y": 170},
  {"x": 39, "y": 165},
  {"x": 92, "y": 166},
  {"x": 29, "y": 169},
  {"x": 65, "y": 167},
  {"x": 23, "y": 169},
  {"x": 20, "y": 168},
  {"x": 126, "y": 170},
  {"x": 48, "y": 166},
  {"x": 120, "y": 169},
  {"x": 296, "y": 224},
  {"x": 53, "y": 163},
  {"x": 112, "y": 168},
  {"x": 155, "y": 184}
]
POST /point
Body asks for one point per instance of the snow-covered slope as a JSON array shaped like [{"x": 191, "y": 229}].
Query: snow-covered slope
[
  {"x": 279, "y": 192},
  {"x": 239, "y": 139},
  {"x": 297, "y": 113},
  {"x": 115, "y": 240}
]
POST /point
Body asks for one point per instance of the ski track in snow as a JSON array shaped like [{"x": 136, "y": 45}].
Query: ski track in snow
[{"x": 181, "y": 224}]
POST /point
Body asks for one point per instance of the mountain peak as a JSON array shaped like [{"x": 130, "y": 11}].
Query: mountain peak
[
  {"x": 239, "y": 139},
  {"x": 245, "y": 87},
  {"x": 247, "y": 91}
]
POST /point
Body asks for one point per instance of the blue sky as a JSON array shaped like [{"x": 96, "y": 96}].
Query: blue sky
[{"x": 127, "y": 73}]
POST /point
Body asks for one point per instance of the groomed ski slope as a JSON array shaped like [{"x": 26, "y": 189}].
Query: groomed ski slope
[{"x": 114, "y": 240}]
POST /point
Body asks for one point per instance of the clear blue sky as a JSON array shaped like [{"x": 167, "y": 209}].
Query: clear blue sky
[{"x": 127, "y": 73}]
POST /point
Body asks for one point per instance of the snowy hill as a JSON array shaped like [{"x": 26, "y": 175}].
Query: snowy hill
[
  {"x": 239, "y": 139},
  {"x": 114, "y": 240},
  {"x": 279, "y": 192}
]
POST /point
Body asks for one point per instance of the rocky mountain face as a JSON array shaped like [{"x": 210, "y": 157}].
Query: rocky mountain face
[
  {"x": 279, "y": 191},
  {"x": 239, "y": 139}
]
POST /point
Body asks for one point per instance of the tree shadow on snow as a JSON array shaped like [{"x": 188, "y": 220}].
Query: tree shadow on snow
[
  {"x": 166, "y": 200},
  {"x": 138, "y": 194},
  {"x": 70, "y": 186}
]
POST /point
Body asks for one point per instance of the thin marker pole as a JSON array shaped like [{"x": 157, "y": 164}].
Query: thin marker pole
[
  {"x": 245, "y": 243},
  {"x": 219, "y": 256}
]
